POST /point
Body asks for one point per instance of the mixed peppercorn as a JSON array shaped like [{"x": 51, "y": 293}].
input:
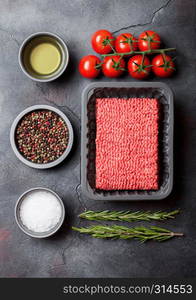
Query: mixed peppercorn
[{"x": 42, "y": 136}]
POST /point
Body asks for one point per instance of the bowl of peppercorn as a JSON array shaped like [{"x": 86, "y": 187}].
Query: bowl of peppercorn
[{"x": 41, "y": 136}]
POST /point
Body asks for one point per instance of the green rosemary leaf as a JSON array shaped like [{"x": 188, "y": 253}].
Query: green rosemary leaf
[
  {"x": 128, "y": 216},
  {"x": 140, "y": 233},
  {"x": 159, "y": 229}
]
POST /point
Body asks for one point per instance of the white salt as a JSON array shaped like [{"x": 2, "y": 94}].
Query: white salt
[{"x": 40, "y": 211}]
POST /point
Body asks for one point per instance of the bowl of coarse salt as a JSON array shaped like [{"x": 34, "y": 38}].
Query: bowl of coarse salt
[{"x": 39, "y": 212}]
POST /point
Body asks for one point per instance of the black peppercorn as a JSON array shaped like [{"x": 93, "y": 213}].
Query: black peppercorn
[{"x": 42, "y": 136}]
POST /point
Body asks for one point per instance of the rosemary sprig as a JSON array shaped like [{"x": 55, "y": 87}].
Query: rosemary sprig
[
  {"x": 141, "y": 233},
  {"x": 128, "y": 216}
]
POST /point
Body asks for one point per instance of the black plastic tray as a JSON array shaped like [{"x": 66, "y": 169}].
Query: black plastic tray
[{"x": 156, "y": 90}]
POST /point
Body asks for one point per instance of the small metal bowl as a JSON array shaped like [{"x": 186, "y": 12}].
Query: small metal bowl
[
  {"x": 13, "y": 137},
  {"x": 35, "y": 39},
  {"x": 30, "y": 232}
]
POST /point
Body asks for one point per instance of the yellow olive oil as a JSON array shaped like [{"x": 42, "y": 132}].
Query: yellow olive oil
[{"x": 45, "y": 58}]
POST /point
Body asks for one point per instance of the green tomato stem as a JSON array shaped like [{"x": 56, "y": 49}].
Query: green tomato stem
[{"x": 140, "y": 52}]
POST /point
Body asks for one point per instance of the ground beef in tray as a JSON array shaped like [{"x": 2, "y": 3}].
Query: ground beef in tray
[{"x": 127, "y": 144}]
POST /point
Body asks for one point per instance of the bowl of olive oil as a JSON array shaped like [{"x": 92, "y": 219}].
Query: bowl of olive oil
[{"x": 43, "y": 56}]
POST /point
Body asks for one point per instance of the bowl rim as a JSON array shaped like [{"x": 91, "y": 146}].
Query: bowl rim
[
  {"x": 34, "y": 35},
  {"x": 13, "y": 140},
  {"x": 30, "y": 232}
]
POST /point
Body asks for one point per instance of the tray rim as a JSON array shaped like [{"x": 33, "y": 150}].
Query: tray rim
[{"x": 88, "y": 192}]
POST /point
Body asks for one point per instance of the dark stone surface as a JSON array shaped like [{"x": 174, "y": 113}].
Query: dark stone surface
[{"x": 69, "y": 254}]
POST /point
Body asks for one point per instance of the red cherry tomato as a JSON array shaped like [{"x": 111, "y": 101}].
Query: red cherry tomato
[
  {"x": 113, "y": 66},
  {"x": 149, "y": 40},
  {"x": 100, "y": 41},
  {"x": 163, "y": 65},
  {"x": 138, "y": 67},
  {"x": 87, "y": 66},
  {"x": 125, "y": 42}
]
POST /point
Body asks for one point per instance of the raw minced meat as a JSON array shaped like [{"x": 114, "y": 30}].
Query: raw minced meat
[{"x": 127, "y": 144}]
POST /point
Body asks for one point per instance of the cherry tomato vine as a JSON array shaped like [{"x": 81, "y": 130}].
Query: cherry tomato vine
[{"x": 115, "y": 50}]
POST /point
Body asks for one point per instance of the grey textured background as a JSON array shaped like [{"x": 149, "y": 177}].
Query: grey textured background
[{"x": 69, "y": 254}]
